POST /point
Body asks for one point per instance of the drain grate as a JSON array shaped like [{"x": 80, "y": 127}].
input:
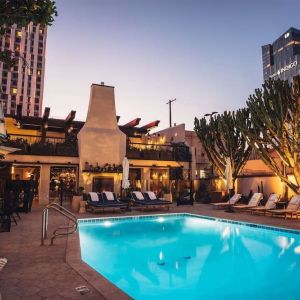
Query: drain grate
[{"x": 82, "y": 289}]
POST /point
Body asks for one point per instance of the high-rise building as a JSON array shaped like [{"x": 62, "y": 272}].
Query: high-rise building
[
  {"x": 282, "y": 58},
  {"x": 24, "y": 83}
]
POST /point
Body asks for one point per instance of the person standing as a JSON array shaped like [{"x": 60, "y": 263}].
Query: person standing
[
  {"x": 17, "y": 188},
  {"x": 30, "y": 190}
]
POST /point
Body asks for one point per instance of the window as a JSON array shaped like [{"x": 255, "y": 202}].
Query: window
[
  {"x": 19, "y": 33},
  {"x": 286, "y": 35},
  {"x": 14, "y": 91}
]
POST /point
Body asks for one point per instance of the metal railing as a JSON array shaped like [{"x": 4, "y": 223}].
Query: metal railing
[
  {"x": 61, "y": 230},
  {"x": 171, "y": 152},
  {"x": 37, "y": 145}
]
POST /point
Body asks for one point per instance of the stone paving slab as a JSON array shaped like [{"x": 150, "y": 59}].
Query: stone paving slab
[{"x": 34, "y": 271}]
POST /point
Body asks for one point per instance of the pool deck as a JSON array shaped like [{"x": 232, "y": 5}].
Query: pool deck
[{"x": 52, "y": 272}]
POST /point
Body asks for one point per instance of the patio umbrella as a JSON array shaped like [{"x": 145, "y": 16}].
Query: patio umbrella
[
  {"x": 125, "y": 181},
  {"x": 228, "y": 175},
  {"x": 229, "y": 181}
]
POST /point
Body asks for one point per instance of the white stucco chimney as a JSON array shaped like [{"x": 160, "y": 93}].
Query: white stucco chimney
[{"x": 100, "y": 140}]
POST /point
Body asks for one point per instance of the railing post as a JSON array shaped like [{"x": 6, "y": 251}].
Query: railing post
[
  {"x": 46, "y": 223},
  {"x": 43, "y": 228}
]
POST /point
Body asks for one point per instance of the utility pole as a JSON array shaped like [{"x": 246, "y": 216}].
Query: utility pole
[{"x": 170, "y": 109}]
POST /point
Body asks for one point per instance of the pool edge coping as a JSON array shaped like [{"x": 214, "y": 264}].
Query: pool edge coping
[
  {"x": 223, "y": 220},
  {"x": 107, "y": 288}
]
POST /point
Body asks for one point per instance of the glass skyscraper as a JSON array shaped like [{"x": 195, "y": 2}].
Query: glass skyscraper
[{"x": 282, "y": 58}]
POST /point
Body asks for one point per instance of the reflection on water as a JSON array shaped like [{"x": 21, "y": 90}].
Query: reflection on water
[{"x": 193, "y": 258}]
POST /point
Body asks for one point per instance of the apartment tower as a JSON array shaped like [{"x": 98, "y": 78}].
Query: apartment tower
[{"x": 24, "y": 83}]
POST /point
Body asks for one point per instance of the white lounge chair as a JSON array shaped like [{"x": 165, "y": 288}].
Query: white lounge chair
[
  {"x": 254, "y": 202},
  {"x": 270, "y": 205},
  {"x": 291, "y": 210},
  {"x": 3, "y": 262},
  {"x": 232, "y": 201}
]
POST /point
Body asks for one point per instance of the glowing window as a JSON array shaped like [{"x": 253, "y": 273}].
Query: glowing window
[
  {"x": 14, "y": 90},
  {"x": 19, "y": 33}
]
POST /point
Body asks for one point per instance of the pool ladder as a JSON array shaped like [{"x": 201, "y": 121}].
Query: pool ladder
[{"x": 61, "y": 230}]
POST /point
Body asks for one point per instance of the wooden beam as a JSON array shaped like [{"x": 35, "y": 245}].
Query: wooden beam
[
  {"x": 133, "y": 123},
  {"x": 150, "y": 125},
  {"x": 71, "y": 116}
]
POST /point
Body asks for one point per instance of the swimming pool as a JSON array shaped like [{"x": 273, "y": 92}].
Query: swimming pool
[{"x": 184, "y": 256}]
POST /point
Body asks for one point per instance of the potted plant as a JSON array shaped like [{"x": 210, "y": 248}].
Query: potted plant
[{"x": 167, "y": 194}]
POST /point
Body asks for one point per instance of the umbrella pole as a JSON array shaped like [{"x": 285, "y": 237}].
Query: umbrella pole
[{"x": 229, "y": 208}]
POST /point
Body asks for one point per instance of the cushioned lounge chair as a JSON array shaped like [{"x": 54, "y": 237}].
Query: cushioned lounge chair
[
  {"x": 232, "y": 201},
  {"x": 150, "y": 196},
  {"x": 110, "y": 199},
  {"x": 253, "y": 202},
  {"x": 291, "y": 210},
  {"x": 140, "y": 200},
  {"x": 97, "y": 202},
  {"x": 3, "y": 262},
  {"x": 270, "y": 205}
]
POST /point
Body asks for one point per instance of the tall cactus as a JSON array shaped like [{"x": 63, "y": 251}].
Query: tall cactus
[
  {"x": 221, "y": 138},
  {"x": 274, "y": 126}
]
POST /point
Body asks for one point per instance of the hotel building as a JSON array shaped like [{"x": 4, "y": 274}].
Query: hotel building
[
  {"x": 65, "y": 154},
  {"x": 89, "y": 154},
  {"x": 23, "y": 84},
  {"x": 281, "y": 59}
]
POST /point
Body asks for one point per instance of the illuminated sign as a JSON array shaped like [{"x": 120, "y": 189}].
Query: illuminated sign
[{"x": 284, "y": 69}]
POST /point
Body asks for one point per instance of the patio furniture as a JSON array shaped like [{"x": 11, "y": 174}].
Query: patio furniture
[
  {"x": 150, "y": 196},
  {"x": 186, "y": 200},
  {"x": 291, "y": 210},
  {"x": 254, "y": 202},
  {"x": 141, "y": 201},
  {"x": 232, "y": 201},
  {"x": 110, "y": 199},
  {"x": 104, "y": 201},
  {"x": 3, "y": 262},
  {"x": 270, "y": 205}
]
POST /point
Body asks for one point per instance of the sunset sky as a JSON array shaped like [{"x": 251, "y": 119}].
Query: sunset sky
[{"x": 207, "y": 54}]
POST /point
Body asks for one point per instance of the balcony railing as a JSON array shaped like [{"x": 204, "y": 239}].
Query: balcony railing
[
  {"x": 171, "y": 152},
  {"x": 36, "y": 145}
]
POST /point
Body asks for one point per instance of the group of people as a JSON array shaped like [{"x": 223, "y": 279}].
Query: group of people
[{"x": 20, "y": 193}]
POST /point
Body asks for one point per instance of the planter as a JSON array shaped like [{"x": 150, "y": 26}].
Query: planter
[
  {"x": 168, "y": 197},
  {"x": 76, "y": 203}
]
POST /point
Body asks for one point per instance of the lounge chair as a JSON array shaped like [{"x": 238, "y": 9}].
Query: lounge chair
[
  {"x": 150, "y": 196},
  {"x": 140, "y": 200},
  {"x": 270, "y": 205},
  {"x": 3, "y": 262},
  {"x": 291, "y": 210},
  {"x": 232, "y": 201},
  {"x": 254, "y": 202},
  {"x": 110, "y": 200},
  {"x": 97, "y": 202}
]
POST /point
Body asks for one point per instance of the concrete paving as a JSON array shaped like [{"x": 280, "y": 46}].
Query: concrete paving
[{"x": 41, "y": 272}]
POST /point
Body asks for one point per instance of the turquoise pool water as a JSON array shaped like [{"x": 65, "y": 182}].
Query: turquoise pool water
[{"x": 189, "y": 257}]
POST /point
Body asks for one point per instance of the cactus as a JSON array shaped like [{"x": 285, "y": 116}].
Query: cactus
[
  {"x": 221, "y": 138},
  {"x": 273, "y": 127}
]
